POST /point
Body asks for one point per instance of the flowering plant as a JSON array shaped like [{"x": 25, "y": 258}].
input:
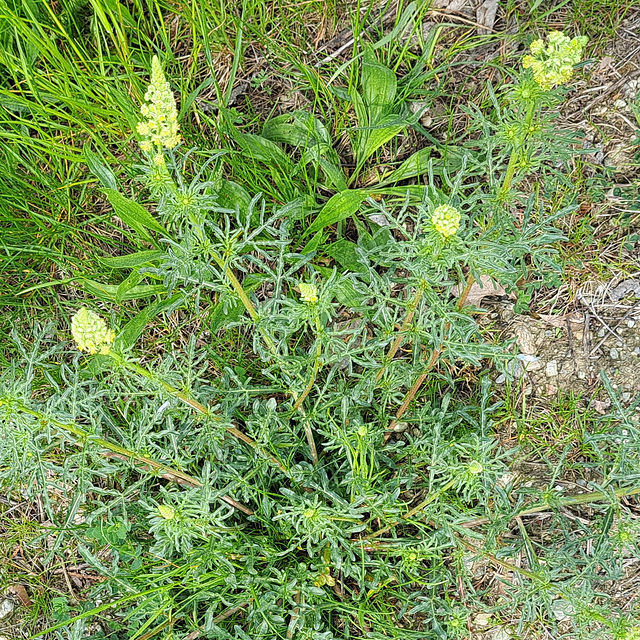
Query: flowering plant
[{"x": 276, "y": 487}]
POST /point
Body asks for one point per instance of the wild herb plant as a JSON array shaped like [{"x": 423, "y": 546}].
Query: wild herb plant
[{"x": 338, "y": 488}]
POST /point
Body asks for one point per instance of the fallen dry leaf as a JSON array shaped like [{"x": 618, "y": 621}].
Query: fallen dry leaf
[
  {"x": 486, "y": 16},
  {"x": 21, "y": 593},
  {"x": 561, "y": 320},
  {"x": 479, "y": 290}
]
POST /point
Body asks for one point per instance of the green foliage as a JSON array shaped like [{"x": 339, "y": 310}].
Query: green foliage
[{"x": 326, "y": 478}]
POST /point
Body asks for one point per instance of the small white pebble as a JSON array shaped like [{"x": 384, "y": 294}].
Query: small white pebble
[
  {"x": 6, "y": 607},
  {"x": 551, "y": 369},
  {"x": 631, "y": 324},
  {"x": 614, "y": 354}
]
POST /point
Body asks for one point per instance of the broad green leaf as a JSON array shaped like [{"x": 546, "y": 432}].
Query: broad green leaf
[
  {"x": 134, "y": 328},
  {"x": 313, "y": 244},
  {"x": 99, "y": 169},
  {"x": 323, "y": 156},
  {"x": 414, "y": 165},
  {"x": 227, "y": 310},
  {"x": 108, "y": 292},
  {"x": 132, "y": 260},
  {"x": 231, "y": 195},
  {"x": 361, "y": 110},
  {"x": 264, "y": 150},
  {"x": 333, "y": 173},
  {"x": 131, "y": 281},
  {"x": 339, "y": 207},
  {"x": 134, "y": 214},
  {"x": 372, "y": 139},
  {"x": 297, "y": 129},
  {"x": 379, "y": 85},
  {"x": 345, "y": 253}
]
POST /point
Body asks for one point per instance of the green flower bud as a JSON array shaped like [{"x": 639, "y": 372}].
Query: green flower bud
[
  {"x": 446, "y": 220},
  {"x": 553, "y": 64},
  {"x": 91, "y": 333},
  {"x": 160, "y": 129},
  {"x": 308, "y": 293},
  {"x": 475, "y": 467},
  {"x": 167, "y": 511}
]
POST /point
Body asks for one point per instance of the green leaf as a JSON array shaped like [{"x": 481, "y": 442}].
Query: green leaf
[
  {"x": 231, "y": 195},
  {"x": 344, "y": 289},
  {"x": 396, "y": 33},
  {"x": 134, "y": 214},
  {"x": 339, "y": 207},
  {"x": 346, "y": 255},
  {"x": 414, "y": 165},
  {"x": 264, "y": 150},
  {"x": 229, "y": 309},
  {"x": 323, "y": 156},
  {"x": 131, "y": 281},
  {"x": 132, "y": 260},
  {"x": 379, "y": 86},
  {"x": 361, "y": 110},
  {"x": 297, "y": 129},
  {"x": 335, "y": 177},
  {"x": 108, "y": 292},
  {"x": 372, "y": 139},
  {"x": 99, "y": 169},
  {"x": 313, "y": 244},
  {"x": 134, "y": 328}
]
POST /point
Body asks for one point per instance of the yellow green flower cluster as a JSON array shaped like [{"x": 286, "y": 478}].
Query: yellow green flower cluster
[
  {"x": 91, "y": 333},
  {"x": 160, "y": 129},
  {"x": 552, "y": 64},
  {"x": 446, "y": 220},
  {"x": 308, "y": 292}
]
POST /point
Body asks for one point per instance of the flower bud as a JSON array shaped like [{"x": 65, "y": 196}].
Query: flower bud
[
  {"x": 308, "y": 292},
  {"x": 446, "y": 220},
  {"x": 91, "y": 333},
  {"x": 167, "y": 511}
]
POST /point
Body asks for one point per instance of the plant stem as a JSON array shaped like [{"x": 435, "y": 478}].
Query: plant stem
[
  {"x": 115, "y": 450},
  {"x": 582, "y": 498},
  {"x": 432, "y": 361},
  {"x": 516, "y": 151},
  {"x": 200, "y": 408},
  {"x": 411, "y": 310},
  {"x": 246, "y": 301}
]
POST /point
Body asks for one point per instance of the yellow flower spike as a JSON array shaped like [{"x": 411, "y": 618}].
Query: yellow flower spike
[
  {"x": 553, "y": 64},
  {"x": 446, "y": 220},
  {"x": 308, "y": 293},
  {"x": 91, "y": 333},
  {"x": 160, "y": 129}
]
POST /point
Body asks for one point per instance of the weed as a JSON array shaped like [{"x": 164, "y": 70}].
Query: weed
[{"x": 300, "y": 464}]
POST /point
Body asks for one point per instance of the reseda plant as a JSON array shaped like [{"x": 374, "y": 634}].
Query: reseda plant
[{"x": 327, "y": 493}]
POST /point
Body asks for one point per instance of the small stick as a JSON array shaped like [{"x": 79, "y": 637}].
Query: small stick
[{"x": 432, "y": 361}]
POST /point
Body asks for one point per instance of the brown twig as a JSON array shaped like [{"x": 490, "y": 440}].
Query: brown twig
[
  {"x": 401, "y": 333},
  {"x": 432, "y": 361}
]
